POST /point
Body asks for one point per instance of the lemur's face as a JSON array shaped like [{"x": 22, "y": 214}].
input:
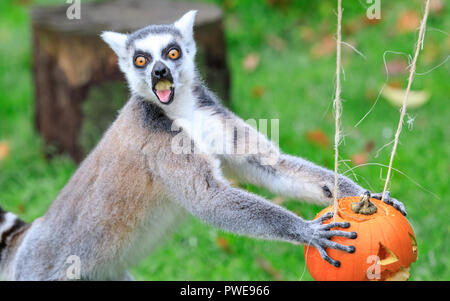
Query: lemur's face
[{"x": 157, "y": 60}]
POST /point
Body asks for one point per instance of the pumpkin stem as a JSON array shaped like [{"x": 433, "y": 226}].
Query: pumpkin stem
[{"x": 364, "y": 206}]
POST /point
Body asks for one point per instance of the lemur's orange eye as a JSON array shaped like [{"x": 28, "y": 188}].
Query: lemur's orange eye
[
  {"x": 174, "y": 54},
  {"x": 140, "y": 61}
]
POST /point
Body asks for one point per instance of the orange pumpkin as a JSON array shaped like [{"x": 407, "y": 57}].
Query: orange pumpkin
[{"x": 385, "y": 245}]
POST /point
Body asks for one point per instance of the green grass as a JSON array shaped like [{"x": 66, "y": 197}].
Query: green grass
[{"x": 298, "y": 90}]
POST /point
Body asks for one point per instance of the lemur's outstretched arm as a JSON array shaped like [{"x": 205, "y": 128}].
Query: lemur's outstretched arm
[
  {"x": 284, "y": 174},
  {"x": 206, "y": 195}
]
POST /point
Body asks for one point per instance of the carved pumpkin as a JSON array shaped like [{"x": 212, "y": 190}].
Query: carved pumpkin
[{"x": 385, "y": 245}]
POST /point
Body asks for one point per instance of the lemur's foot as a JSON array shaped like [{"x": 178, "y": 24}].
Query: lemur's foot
[
  {"x": 391, "y": 201},
  {"x": 320, "y": 234}
]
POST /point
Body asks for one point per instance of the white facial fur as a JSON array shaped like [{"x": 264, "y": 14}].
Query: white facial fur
[{"x": 140, "y": 79}]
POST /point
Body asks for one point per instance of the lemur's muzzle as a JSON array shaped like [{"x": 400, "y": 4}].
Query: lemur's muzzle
[{"x": 162, "y": 83}]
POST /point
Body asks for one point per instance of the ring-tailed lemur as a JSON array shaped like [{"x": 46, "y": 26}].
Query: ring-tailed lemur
[{"x": 135, "y": 184}]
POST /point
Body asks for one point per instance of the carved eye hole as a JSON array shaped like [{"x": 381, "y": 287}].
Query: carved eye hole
[
  {"x": 174, "y": 54},
  {"x": 140, "y": 61},
  {"x": 386, "y": 255}
]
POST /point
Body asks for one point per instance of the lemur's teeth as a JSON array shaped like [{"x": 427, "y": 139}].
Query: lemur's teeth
[{"x": 163, "y": 84}]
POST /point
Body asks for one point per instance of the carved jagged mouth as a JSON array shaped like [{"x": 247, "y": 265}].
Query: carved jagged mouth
[{"x": 164, "y": 91}]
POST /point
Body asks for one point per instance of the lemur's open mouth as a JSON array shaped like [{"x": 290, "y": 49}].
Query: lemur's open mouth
[{"x": 164, "y": 90}]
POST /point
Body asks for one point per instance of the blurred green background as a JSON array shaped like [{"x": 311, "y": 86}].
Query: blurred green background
[{"x": 282, "y": 59}]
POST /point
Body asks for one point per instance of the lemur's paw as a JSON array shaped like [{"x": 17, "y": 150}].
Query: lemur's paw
[
  {"x": 320, "y": 235},
  {"x": 391, "y": 201}
]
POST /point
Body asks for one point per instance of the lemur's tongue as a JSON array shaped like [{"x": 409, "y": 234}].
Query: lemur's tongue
[{"x": 164, "y": 95}]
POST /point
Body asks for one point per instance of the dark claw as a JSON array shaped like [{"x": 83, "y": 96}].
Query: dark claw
[
  {"x": 325, "y": 256},
  {"x": 352, "y": 249},
  {"x": 353, "y": 235},
  {"x": 332, "y": 261}
]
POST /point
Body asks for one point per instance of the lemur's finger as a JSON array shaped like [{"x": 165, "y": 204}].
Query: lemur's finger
[
  {"x": 327, "y": 258},
  {"x": 399, "y": 206},
  {"x": 346, "y": 234},
  {"x": 336, "y": 225},
  {"x": 387, "y": 197},
  {"x": 391, "y": 201},
  {"x": 325, "y": 217},
  {"x": 334, "y": 245}
]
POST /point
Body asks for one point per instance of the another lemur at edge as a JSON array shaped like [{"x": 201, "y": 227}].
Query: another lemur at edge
[{"x": 134, "y": 185}]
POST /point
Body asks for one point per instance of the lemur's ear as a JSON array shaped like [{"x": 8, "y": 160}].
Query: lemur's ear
[
  {"x": 186, "y": 24},
  {"x": 116, "y": 41}
]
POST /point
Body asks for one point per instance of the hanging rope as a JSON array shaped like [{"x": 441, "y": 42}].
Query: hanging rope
[
  {"x": 412, "y": 71},
  {"x": 337, "y": 105}
]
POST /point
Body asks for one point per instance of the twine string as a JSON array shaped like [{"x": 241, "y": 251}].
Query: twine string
[
  {"x": 337, "y": 105},
  {"x": 419, "y": 46}
]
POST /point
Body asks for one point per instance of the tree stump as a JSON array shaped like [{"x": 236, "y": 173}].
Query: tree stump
[{"x": 78, "y": 85}]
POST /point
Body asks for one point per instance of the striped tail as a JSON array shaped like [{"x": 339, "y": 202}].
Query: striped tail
[{"x": 10, "y": 225}]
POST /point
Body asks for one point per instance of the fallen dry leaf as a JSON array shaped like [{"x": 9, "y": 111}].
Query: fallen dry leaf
[
  {"x": 275, "y": 42},
  {"x": 357, "y": 23},
  {"x": 21, "y": 208},
  {"x": 326, "y": 47},
  {"x": 395, "y": 84},
  {"x": 351, "y": 27},
  {"x": 436, "y": 6},
  {"x": 408, "y": 21},
  {"x": 396, "y": 67},
  {"x": 251, "y": 62},
  {"x": 269, "y": 269},
  {"x": 307, "y": 34},
  {"x": 359, "y": 159},
  {"x": 224, "y": 244},
  {"x": 4, "y": 150},
  {"x": 370, "y": 94},
  {"x": 258, "y": 91},
  {"x": 369, "y": 146},
  {"x": 396, "y": 95},
  {"x": 318, "y": 137}
]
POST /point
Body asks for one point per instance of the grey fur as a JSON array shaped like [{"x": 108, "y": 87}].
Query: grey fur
[
  {"x": 152, "y": 30},
  {"x": 254, "y": 160},
  {"x": 131, "y": 189}
]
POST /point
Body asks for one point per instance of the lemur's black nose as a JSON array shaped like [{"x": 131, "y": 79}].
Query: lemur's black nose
[{"x": 160, "y": 70}]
